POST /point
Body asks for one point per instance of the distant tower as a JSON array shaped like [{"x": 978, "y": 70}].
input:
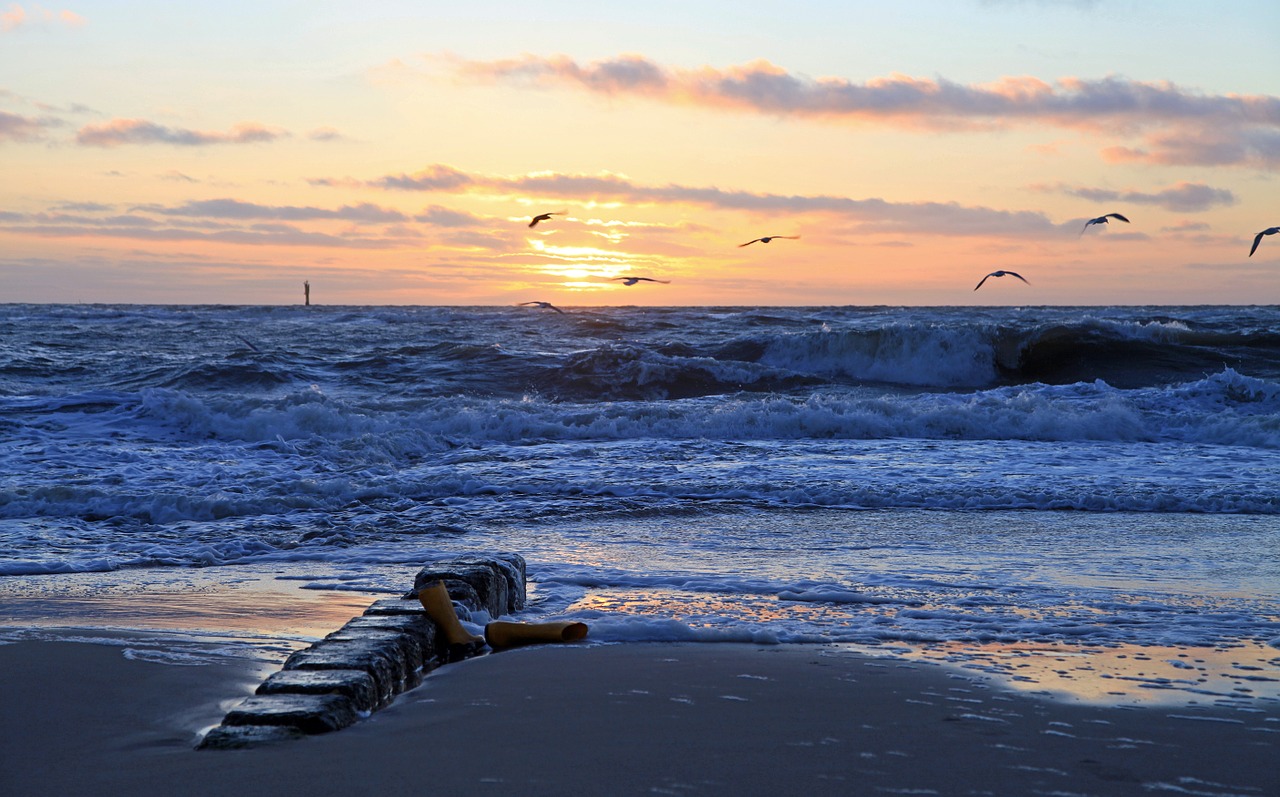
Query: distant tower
[{"x": 306, "y": 292}]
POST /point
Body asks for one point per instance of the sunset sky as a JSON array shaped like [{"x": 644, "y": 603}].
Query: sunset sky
[{"x": 393, "y": 152}]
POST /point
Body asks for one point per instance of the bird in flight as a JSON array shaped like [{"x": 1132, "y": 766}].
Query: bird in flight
[
  {"x": 544, "y": 306},
  {"x": 1002, "y": 274},
  {"x": 1257, "y": 239},
  {"x": 634, "y": 280},
  {"x": 1103, "y": 220},
  {"x": 544, "y": 217},
  {"x": 767, "y": 239}
]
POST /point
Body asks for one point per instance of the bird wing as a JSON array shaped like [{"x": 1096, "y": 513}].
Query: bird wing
[
  {"x": 1086, "y": 225},
  {"x": 1257, "y": 239},
  {"x": 979, "y": 285},
  {"x": 1019, "y": 276},
  {"x": 1118, "y": 216},
  {"x": 748, "y": 243}
]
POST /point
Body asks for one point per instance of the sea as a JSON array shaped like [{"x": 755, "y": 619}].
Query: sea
[{"x": 1080, "y": 500}]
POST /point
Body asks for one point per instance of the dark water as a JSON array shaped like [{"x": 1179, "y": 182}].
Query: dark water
[{"x": 969, "y": 473}]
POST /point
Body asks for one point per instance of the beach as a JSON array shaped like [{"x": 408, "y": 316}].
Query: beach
[
  {"x": 715, "y": 399},
  {"x": 638, "y": 718}
]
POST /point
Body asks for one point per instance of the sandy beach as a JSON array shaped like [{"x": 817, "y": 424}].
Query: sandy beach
[{"x": 82, "y": 719}]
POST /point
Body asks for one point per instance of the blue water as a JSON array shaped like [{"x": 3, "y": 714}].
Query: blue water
[{"x": 1092, "y": 475}]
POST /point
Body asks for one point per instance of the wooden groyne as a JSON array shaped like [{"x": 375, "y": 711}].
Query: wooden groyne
[{"x": 362, "y": 666}]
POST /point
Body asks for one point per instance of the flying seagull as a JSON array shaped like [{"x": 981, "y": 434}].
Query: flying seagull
[
  {"x": 544, "y": 306},
  {"x": 1002, "y": 274},
  {"x": 1103, "y": 220},
  {"x": 544, "y": 217},
  {"x": 634, "y": 280},
  {"x": 767, "y": 239},
  {"x": 1257, "y": 239}
]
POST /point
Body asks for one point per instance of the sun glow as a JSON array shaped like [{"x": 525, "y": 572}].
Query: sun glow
[{"x": 574, "y": 252}]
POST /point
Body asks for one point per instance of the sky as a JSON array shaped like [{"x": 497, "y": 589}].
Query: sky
[{"x": 391, "y": 152}]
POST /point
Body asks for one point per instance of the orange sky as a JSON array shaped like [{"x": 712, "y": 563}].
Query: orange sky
[{"x": 395, "y": 154}]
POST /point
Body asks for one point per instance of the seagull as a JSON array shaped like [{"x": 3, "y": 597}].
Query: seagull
[
  {"x": 1103, "y": 220},
  {"x": 634, "y": 280},
  {"x": 1257, "y": 239},
  {"x": 767, "y": 239},
  {"x": 544, "y": 217},
  {"x": 544, "y": 306},
  {"x": 1002, "y": 274}
]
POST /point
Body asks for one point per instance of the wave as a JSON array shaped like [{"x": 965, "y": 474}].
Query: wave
[
  {"x": 1139, "y": 354},
  {"x": 262, "y": 468},
  {"x": 1127, "y": 354},
  {"x": 1226, "y": 408},
  {"x": 907, "y": 354},
  {"x": 265, "y": 519},
  {"x": 628, "y": 372},
  {"x": 625, "y": 354},
  {"x": 228, "y": 377}
]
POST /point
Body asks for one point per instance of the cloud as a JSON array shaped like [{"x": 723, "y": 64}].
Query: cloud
[
  {"x": 83, "y": 207},
  {"x": 438, "y": 216},
  {"x": 273, "y": 235},
  {"x": 326, "y": 134},
  {"x": 1181, "y": 197},
  {"x": 14, "y": 127},
  {"x": 762, "y": 86},
  {"x": 226, "y": 220},
  {"x": 363, "y": 213},
  {"x": 16, "y": 16},
  {"x": 1204, "y": 147},
  {"x": 432, "y": 178},
  {"x": 120, "y": 132},
  {"x": 1186, "y": 225},
  {"x": 13, "y": 18},
  {"x": 874, "y": 214},
  {"x": 1177, "y": 125}
]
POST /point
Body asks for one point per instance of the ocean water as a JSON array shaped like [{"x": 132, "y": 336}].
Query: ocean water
[{"x": 1081, "y": 478}]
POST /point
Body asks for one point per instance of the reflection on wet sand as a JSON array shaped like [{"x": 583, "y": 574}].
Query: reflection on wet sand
[
  {"x": 1122, "y": 674},
  {"x": 252, "y": 602}
]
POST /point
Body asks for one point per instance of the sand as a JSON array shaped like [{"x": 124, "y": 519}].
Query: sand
[{"x": 709, "y": 719}]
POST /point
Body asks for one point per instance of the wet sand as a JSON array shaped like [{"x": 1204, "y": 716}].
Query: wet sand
[{"x": 689, "y": 719}]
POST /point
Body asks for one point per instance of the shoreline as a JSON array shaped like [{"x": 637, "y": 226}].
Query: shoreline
[
  {"x": 642, "y": 718},
  {"x": 266, "y": 612}
]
